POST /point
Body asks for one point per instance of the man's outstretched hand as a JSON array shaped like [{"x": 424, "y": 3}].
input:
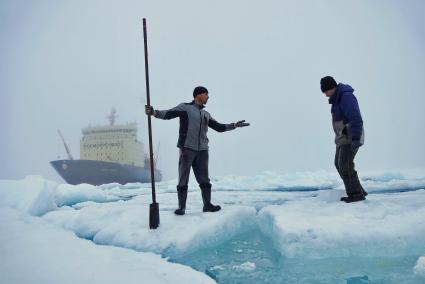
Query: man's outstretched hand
[
  {"x": 149, "y": 110},
  {"x": 241, "y": 123}
]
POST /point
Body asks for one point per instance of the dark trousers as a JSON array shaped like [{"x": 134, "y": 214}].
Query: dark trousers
[
  {"x": 198, "y": 161},
  {"x": 344, "y": 163}
]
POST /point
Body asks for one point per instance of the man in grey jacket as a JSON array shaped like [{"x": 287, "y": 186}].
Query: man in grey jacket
[{"x": 193, "y": 144}]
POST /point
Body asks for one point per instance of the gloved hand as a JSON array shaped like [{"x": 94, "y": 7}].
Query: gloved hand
[
  {"x": 149, "y": 110},
  {"x": 356, "y": 144},
  {"x": 241, "y": 123}
]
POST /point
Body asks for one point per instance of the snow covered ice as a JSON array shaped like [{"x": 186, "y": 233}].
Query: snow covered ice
[
  {"x": 384, "y": 225},
  {"x": 34, "y": 251},
  {"x": 273, "y": 229}
]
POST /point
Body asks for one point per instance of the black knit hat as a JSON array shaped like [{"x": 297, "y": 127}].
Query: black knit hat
[
  {"x": 199, "y": 90},
  {"x": 327, "y": 83}
]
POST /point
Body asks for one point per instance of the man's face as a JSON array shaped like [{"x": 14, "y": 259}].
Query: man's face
[
  {"x": 202, "y": 98},
  {"x": 330, "y": 92}
]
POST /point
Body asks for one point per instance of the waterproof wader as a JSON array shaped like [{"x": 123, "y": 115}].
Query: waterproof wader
[
  {"x": 344, "y": 163},
  {"x": 198, "y": 161}
]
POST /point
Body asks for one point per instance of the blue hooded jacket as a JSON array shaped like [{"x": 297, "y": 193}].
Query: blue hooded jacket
[{"x": 346, "y": 108}]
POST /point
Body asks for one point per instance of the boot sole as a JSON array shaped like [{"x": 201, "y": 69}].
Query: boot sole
[
  {"x": 209, "y": 210},
  {"x": 179, "y": 213}
]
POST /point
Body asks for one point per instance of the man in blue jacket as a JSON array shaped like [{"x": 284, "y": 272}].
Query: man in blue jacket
[
  {"x": 349, "y": 134},
  {"x": 193, "y": 144}
]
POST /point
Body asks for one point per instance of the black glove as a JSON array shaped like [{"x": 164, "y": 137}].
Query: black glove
[
  {"x": 356, "y": 144},
  {"x": 149, "y": 110},
  {"x": 241, "y": 123}
]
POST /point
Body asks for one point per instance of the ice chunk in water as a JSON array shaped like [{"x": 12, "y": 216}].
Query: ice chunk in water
[{"x": 420, "y": 266}]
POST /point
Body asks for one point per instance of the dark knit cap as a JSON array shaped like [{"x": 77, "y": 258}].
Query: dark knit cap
[
  {"x": 327, "y": 83},
  {"x": 199, "y": 90}
]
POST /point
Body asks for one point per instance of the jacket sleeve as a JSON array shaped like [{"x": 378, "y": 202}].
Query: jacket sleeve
[
  {"x": 170, "y": 113},
  {"x": 219, "y": 127},
  {"x": 350, "y": 109}
]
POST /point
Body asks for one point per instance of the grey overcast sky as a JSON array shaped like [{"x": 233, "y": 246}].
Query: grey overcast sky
[{"x": 64, "y": 64}]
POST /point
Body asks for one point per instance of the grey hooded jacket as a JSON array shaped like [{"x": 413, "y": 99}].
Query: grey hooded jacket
[{"x": 194, "y": 123}]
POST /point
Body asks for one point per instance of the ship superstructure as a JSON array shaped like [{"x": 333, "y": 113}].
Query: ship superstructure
[{"x": 109, "y": 153}]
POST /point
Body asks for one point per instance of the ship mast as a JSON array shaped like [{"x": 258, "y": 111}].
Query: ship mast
[
  {"x": 155, "y": 158},
  {"x": 112, "y": 116},
  {"x": 66, "y": 146}
]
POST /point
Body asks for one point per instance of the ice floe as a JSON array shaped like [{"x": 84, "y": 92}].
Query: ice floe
[
  {"x": 36, "y": 252},
  {"x": 301, "y": 214},
  {"x": 320, "y": 227}
]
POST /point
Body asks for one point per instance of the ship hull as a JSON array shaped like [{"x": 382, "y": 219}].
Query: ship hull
[{"x": 99, "y": 172}]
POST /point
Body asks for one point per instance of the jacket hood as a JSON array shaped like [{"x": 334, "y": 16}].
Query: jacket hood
[{"x": 342, "y": 88}]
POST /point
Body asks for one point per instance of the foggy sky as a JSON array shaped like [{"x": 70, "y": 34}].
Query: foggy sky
[{"x": 64, "y": 64}]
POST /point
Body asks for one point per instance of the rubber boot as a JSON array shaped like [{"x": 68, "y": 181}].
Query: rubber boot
[
  {"x": 353, "y": 198},
  {"x": 354, "y": 189},
  {"x": 358, "y": 184},
  {"x": 206, "y": 198},
  {"x": 182, "y": 197}
]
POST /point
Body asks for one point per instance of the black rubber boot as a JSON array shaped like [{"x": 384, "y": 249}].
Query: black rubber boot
[
  {"x": 353, "y": 188},
  {"x": 353, "y": 198},
  {"x": 182, "y": 197},
  {"x": 206, "y": 198},
  {"x": 357, "y": 184}
]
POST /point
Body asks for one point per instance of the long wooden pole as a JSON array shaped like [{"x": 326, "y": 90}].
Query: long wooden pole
[{"x": 154, "y": 208}]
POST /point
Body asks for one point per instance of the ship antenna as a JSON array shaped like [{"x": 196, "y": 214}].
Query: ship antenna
[
  {"x": 112, "y": 116},
  {"x": 66, "y": 146},
  {"x": 155, "y": 159}
]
